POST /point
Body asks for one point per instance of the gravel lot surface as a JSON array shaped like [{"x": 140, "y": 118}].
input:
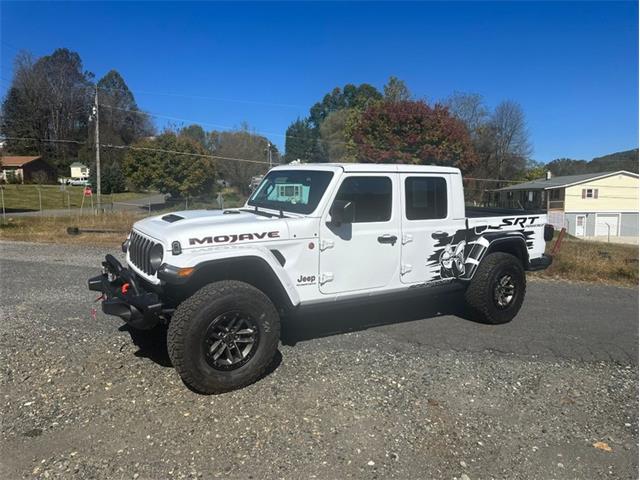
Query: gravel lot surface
[{"x": 396, "y": 396}]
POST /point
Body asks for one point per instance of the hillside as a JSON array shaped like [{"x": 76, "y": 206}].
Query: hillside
[{"x": 627, "y": 160}]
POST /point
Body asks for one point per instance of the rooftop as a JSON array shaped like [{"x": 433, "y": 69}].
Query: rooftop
[
  {"x": 371, "y": 167},
  {"x": 17, "y": 161},
  {"x": 562, "y": 181}
]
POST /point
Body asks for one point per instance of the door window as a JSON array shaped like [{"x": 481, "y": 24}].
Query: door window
[
  {"x": 425, "y": 198},
  {"x": 371, "y": 196}
]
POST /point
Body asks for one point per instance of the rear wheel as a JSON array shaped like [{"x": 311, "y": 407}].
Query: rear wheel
[
  {"x": 223, "y": 337},
  {"x": 496, "y": 292}
]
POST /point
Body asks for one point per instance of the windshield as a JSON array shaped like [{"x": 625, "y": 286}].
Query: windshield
[{"x": 297, "y": 191}]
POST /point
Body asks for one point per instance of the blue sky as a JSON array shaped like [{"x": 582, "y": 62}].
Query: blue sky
[{"x": 572, "y": 66}]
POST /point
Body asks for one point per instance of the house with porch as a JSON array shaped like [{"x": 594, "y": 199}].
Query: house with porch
[
  {"x": 21, "y": 169},
  {"x": 588, "y": 205}
]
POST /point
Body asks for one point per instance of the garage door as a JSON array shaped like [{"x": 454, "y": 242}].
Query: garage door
[{"x": 603, "y": 220}]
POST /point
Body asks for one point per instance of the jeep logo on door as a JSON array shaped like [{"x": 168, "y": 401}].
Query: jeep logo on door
[{"x": 233, "y": 238}]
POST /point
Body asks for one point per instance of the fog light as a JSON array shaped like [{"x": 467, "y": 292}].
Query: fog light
[{"x": 176, "y": 248}]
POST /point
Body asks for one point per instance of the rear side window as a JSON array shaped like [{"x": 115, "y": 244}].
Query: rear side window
[
  {"x": 425, "y": 198},
  {"x": 371, "y": 197}
]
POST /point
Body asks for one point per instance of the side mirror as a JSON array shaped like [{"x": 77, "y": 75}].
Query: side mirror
[{"x": 342, "y": 212}]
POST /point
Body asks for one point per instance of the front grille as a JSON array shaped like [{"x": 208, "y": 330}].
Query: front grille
[{"x": 140, "y": 252}]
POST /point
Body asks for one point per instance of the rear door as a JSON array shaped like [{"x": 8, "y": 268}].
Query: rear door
[
  {"x": 364, "y": 254},
  {"x": 433, "y": 243}
]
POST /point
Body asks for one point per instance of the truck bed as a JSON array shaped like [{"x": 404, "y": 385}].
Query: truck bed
[{"x": 481, "y": 212}]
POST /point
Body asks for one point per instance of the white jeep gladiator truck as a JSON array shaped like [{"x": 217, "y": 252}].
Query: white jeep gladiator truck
[{"x": 308, "y": 235}]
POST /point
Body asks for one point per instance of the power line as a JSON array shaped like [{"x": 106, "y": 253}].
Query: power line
[
  {"x": 217, "y": 157},
  {"x": 44, "y": 140},
  {"x": 201, "y": 97},
  {"x": 132, "y": 147}
]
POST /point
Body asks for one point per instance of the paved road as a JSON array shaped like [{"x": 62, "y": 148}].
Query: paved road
[
  {"x": 407, "y": 391},
  {"x": 558, "y": 320}
]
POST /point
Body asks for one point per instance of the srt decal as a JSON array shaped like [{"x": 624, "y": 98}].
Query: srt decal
[
  {"x": 515, "y": 221},
  {"x": 458, "y": 255},
  {"x": 233, "y": 238},
  {"x": 306, "y": 280}
]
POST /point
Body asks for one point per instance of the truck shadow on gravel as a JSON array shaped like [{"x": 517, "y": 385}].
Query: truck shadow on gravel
[
  {"x": 152, "y": 344},
  {"x": 336, "y": 320},
  {"x": 323, "y": 322}
]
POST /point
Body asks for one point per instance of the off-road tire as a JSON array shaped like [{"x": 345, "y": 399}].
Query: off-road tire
[
  {"x": 193, "y": 317},
  {"x": 480, "y": 295}
]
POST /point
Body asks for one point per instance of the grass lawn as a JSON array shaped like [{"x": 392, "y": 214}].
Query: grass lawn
[
  {"x": 582, "y": 260},
  {"x": 48, "y": 229},
  {"x": 578, "y": 260},
  {"x": 54, "y": 229},
  {"x": 26, "y": 197}
]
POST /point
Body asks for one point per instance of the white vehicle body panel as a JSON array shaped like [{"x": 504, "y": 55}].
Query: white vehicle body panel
[{"x": 324, "y": 262}]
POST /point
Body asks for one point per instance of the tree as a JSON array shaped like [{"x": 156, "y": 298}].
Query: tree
[
  {"x": 333, "y": 136},
  {"x": 121, "y": 124},
  {"x": 301, "y": 142},
  {"x": 396, "y": 90},
  {"x": 567, "y": 166},
  {"x": 112, "y": 178},
  {"x": 512, "y": 147},
  {"x": 304, "y": 140},
  {"x": 245, "y": 155},
  {"x": 534, "y": 171},
  {"x": 470, "y": 108},
  {"x": 350, "y": 96},
  {"x": 170, "y": 164},
  {"x": 196, "y": 133},
  {"x": 411, "y": 132},
  {"x": 48, "y": 101}
]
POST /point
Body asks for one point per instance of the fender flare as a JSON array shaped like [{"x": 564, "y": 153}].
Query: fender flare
[
  {"x": 493, "y": 243},
  {"x": 210, "y": 266}
]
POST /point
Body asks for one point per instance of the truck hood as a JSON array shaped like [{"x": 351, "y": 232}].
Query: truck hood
[{"x": 205, "y": 228}]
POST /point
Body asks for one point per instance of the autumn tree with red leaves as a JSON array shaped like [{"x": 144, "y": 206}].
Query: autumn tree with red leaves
[{"x": 411, "y": 132}]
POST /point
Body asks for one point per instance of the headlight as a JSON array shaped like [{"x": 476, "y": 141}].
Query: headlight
[{"x": 155, "y": 256}]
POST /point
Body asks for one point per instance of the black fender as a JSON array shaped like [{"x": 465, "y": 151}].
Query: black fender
[
  {"x": 250, "y": 269},
  {"x": 513, "y": 243}
]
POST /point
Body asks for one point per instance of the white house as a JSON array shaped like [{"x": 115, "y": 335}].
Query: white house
[
  {"x": 79, "y": 171},
  {"x": 589, "y": 205}
]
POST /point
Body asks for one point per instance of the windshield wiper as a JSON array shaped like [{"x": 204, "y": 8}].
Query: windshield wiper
[{"x": 256, "y": 211}]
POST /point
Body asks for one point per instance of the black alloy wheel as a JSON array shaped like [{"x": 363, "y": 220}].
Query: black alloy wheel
[
  {"x": 504, "y": 291},
  {"x": 230, "y": 341}
]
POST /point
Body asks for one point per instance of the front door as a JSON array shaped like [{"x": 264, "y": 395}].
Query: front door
[
  {"x": 580, "y": 225},
  {"x": 365, "y": 253}
]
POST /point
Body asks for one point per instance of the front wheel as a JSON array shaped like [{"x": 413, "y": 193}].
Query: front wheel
[
  {"x": 223, "y": 337},
  {"x": 496, "y": 292}
]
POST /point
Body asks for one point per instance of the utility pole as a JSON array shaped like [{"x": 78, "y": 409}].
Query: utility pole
[
  {"x": 269, "y": 155},
  {"x": 97, "y": 119}
]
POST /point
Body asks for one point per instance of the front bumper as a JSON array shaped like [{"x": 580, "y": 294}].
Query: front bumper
[{"x": 124, "y": 296}]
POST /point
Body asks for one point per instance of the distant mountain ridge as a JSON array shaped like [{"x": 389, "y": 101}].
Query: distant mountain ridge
[{"x": 626, "y": 160}]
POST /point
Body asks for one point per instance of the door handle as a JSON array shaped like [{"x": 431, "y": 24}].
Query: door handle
[
  {"x": 439, "y": 235},
  {"x": 392, "y": 239}
]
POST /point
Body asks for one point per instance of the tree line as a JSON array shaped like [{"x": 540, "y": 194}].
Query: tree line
[
  {"x": 48, "y": 111},
  {"x": 358, "y": 123}
]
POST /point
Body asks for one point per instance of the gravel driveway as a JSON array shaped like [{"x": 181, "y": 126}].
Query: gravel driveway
[{"x": 405, "y": 391}]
